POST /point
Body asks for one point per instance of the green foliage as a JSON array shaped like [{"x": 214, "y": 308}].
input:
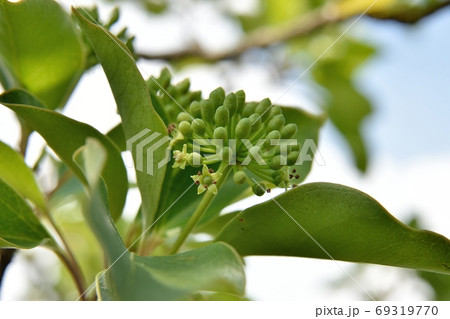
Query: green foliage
[
  {"x": 440, "y": 284},
  {"x": 92, "y": 14},
  {"x": 346, "y": 107},
  {"x": 42, "y": 57},
  {"x": 15, "y": 173},
  {"x": 65, "y": 136},
  {"x": 214, "y": 268},
  {"x": 40, "y": 50},
  {"x": 347, "y": 223},
  {"x": 134, "y": 105},
  {"x": 19, "y": 228}
]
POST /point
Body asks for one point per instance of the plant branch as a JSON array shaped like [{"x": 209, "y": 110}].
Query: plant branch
[
  {"x": 68, "y": 258},
  {"x": 73, "y": 270},
  {"x": 198, "y": 214},
  {"x": 302, "y": 26},
  {"x": 412, "y": 15}
]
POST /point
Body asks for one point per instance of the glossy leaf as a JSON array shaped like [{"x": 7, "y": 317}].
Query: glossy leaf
[
  {"x": 65, "y": 136},
  {"x": 40, "y": 50},
  {"x": 19, "y": 227},
  {"x": 215, "y": 267},
  {"x": 215, "y": 226},
  {"x": 347, "y": 223},
  {"x": 440, "y": 284},
  {"x": 15, "y": 173},
  {"x": 135, "y": 107},
  {"x": 117, "y": 135}
]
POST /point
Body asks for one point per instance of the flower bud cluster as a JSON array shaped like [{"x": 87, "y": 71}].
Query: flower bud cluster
[
  {"x": 248, "y": 135},
  {"x": 172, "y": 97}
]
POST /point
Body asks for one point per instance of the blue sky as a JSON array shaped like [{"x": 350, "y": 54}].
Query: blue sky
[{"x": 408, "y": 81}]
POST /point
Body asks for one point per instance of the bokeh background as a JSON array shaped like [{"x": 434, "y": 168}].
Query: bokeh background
[{"x": 385, "y": 85}]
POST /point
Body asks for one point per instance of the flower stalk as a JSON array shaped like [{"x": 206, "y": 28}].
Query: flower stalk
[{"x": 199, "y": 212}]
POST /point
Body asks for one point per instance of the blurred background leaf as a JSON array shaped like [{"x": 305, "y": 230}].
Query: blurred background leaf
[{"x": 44, "y": 55}]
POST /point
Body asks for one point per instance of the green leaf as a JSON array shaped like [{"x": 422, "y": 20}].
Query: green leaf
[
  {"x": 117, "y": 135},
  {"x": 19, "y": 227},
  {"x": 135, "y": 107},
  {"x": 215, "y": 226},
  {"x": 307, "y": 137},
  {"x": 440, "y": 284},
  {"x": 65, "y": 136},
  {"x": 101, "y": 287},
  {"x": 347, "y": 223},
  {"x": 15, "y": 173},
  {"x": 40, "y": 50},
  {"x": 215, "y": 267},
  {"x": 347, "y": 108}
]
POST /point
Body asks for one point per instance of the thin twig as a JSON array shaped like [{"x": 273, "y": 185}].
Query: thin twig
[{"x": 303, "y": 26}]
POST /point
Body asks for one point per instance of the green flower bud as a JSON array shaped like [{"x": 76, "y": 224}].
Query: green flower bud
[
  {"x": 277, "y": 179},
  {"x": 255, "y": 119},
  {"x": 289, "y": 131},
  {"x": 220, "y": 133},
  {"x": 170, "y": 95},
  {"x": 195, "y": 109},
  {"x": 172, "y": 110},
  {"x": 183, "y": 116},
  {"x": 276, "y": 123},
  {"x": 259, "y": 189},
  {"x": 272, "y": 136},
  {"x": 254, "y": 150},
  {"x": 195, "y": 96},
  {"x": 185, "y": 128},
  {"x": 195, "y": 159},
  {"x": 292, "y": 148},
  {"x": 222, "y": 116},
  {"x": 164, "y": 78},
  {"x": 239, "y": 177},
  {"x": 230, "y": 103},
  {"x": 183, "y": 100},
  {"x": 292, "y": 158},
  {"x": 284, "y": 174},
  {"x": 198, "y": 126},
  {"x": 208, "y": 110},
  {"x": 263, "y": 107},
  {"x": 276, "y": 150},
  {"x": 152, "y": 85},
  {"x": 183, "y": 86},
  {"x": 217, "y": 96},
  {"x": 113, "y": 18},
  {"x": 243, "y": 128},
  {"x": 207, "y": 180},
  {"x": 225, "y": 153},
  {"x": 277, "y": 162},
  {"x": 240, "y": 98},
  {"x": 275, "y": 110},
  {"x": 249, "y": 109}
]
